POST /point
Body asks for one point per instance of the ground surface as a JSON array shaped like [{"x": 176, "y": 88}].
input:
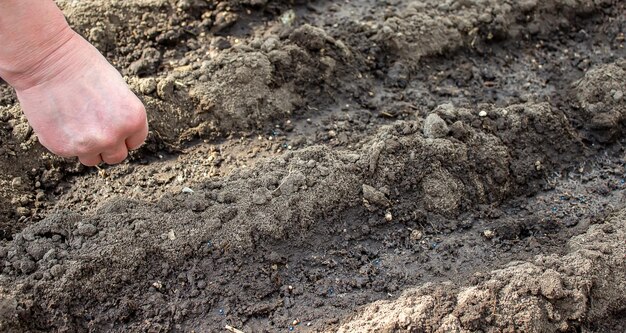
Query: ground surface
[{"x": 316, "y": 166}]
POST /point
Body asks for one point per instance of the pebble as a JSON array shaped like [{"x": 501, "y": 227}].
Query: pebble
[
  {"x": 435, "y": 127},
  {"x": 57, "y": 270},
  {"x": 388, "y": 216},
  {"x": 416, "y": 235},
  {"x": 618, "y": 95},
  {"x": 374, "y": 196},
  {"x": 489, "y": 234},
  {"x": 87, "y": 230}
]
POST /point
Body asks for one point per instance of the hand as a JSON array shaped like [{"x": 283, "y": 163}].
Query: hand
[{"x": 79, "y": 105}]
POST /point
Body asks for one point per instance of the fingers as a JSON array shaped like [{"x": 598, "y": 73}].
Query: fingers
[
  {"x": 115, "y": 155},
  {"x": 136, "y": 139},
  {"x": 90, "y": 160},
  {"x": 118, "y": 153}
]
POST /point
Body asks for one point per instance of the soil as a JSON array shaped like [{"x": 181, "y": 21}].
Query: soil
[{"x": 321, "y": 166}]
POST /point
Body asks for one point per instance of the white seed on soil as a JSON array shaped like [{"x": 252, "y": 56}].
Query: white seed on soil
[
  {"x": 482, "y": 114},
  {"x": 171, "y": 235},
  {"x": 232, "y": 329},
  {"x": 187, "y": 190},
  {"x": 416, "y": 235},
  {"x": 388, "y": 216},
  {"x": 489, "y": 234}
]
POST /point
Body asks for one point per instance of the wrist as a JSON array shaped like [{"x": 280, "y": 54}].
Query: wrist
[
  {"x": 32, "y": 34},
  {"x": 48, "y": 60}
]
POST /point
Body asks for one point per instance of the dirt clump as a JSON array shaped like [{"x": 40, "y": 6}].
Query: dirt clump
[
  {"x": 319, "y": 166},
  {"x": 547, "y": 294},
  {"x": 600, "y": 94}
]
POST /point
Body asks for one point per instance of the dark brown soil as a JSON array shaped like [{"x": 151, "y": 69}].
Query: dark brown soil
[{"x": 321, "y": 166}]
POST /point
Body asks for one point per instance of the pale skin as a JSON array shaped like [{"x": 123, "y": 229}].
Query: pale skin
[{"x": 76, "y": 102}]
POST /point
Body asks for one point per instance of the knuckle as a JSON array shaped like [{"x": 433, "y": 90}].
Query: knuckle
[
  {"x": 135, "y": 121},
  {"x": 94, "y": 144}
]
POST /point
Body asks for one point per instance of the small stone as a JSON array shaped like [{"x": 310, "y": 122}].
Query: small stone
[
  {"x": 171, "y": 235},
  {"x": 416, "y": 235},
  {"x": 388, "y": 217},
  {"x": 87, "y": 230},
  {"x": 618, "y": 95},
  {"x": 482, "y": 113},
  {"x": 288, "y": 17},
  {"x": 374, "y": 197},
  {"x": 435, "y": 127},
  {"x": 57, "y": 271},
  {"x": 489, "y": 234}
]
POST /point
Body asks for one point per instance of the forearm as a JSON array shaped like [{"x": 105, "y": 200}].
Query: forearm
[{"x": 31, "y": 33}]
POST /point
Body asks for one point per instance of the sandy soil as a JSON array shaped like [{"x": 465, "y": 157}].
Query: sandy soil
[{"x": 323, "y": 166}]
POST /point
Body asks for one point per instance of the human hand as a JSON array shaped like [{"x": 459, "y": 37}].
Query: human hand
[{"x": 79, "y": 105}]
